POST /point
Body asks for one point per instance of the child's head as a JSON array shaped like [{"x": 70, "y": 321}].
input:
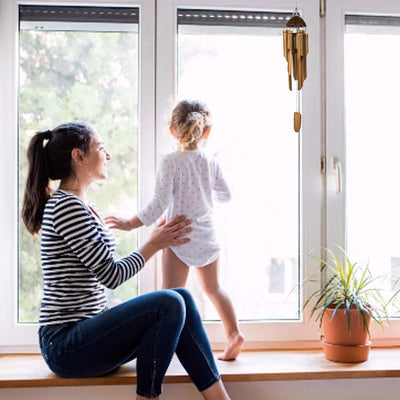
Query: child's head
[{"x": 190, "y": 122}]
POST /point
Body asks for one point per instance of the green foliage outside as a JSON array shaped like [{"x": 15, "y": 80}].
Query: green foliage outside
[{"x": 80, "y": 76}]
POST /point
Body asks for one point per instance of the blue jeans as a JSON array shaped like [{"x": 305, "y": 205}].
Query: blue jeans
[{"x": 149, "y": 328}]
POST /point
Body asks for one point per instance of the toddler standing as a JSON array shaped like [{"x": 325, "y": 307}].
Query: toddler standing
[{"x": 187, "y": 181}]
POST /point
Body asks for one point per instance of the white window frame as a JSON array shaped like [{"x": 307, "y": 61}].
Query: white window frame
[
  {"x": 16, "y": 337},
  {"x": 160, "y": 62},
  {"x": 264, "y": 333},
  {"x": 335, "y": 127}
]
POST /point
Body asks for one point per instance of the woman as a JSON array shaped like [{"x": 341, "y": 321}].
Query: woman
[{"x": 79, "y": 336}]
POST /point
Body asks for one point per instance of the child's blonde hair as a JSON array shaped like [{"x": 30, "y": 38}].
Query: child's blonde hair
[{"x": 189, "y": 120}]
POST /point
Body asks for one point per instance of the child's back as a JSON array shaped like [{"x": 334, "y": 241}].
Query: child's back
[{"x": 188, "y": 182}]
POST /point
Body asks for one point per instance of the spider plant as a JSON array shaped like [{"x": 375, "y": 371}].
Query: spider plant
[{"x": 349, "y": 286}]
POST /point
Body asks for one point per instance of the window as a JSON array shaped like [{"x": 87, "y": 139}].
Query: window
[
  {"x": 229, "y": 66},
  {"x": 162, "y": 65},
  {"x": 224, "y": 58},
  {"x": 71, "y": 63},
  {"x": 79, "y": 63},
  {"x": 371, "y": 120},
  {"x": 362, "y": 136},
  {"x": 157, "y": 66}
]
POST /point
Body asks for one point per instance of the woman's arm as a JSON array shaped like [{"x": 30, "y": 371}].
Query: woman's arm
[{"x": 73, "y": 222}]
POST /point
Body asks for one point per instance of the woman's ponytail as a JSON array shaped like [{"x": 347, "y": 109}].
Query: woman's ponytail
[
  {"x": 49, "y": 158},
  {"x": 37, "y": 190}
]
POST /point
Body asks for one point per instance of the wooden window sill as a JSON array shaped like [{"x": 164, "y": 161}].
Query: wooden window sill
[{"x": 29, "y": 370}]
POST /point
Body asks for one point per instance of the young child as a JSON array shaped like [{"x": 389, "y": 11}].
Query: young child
[{"x": 186, "y": 182}]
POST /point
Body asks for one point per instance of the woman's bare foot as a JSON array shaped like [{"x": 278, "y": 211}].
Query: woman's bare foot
[{"x": 233, "y": 347}]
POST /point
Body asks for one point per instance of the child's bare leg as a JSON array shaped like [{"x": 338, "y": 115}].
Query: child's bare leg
[
  {"x": 208, "y": 278},
  {"x": 174, "y": 271}
]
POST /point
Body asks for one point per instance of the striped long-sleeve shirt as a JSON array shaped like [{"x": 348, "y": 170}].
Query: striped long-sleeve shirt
[{"x": 77, "y": 253}]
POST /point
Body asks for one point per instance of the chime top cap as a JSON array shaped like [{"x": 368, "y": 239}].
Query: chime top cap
[{"x": 296, "y": 21}]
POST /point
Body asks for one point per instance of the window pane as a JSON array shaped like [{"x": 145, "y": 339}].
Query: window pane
[
  {"x": 80, "y": 75},
  {"x": 372, "y": 145},
  {"x": 240, "y": 73}
]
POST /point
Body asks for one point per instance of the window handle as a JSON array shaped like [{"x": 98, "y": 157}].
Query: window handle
[{"x": 337, "y": 169}]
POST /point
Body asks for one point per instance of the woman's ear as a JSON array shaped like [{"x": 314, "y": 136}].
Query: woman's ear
[
  {"x": 77, "y": 156},
  {"x": 206, "y": 132}
]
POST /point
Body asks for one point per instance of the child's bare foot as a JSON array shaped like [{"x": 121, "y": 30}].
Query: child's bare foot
[{"x": 233, "y": 347}]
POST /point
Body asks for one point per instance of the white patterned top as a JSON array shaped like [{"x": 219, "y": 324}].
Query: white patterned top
[{"x": 187, "y": 183}]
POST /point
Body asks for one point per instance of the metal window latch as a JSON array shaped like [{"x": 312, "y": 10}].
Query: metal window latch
[{"x": 337, "y": 169}]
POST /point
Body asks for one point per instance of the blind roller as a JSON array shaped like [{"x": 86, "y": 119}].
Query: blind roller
[
  {"x": 372, "y": 20},
  {"x": 79, "y": 14},
  {"x": 233, "y": 18}
]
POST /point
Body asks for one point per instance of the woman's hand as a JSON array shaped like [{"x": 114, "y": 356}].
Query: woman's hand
[{"x": 166, "y": 234}]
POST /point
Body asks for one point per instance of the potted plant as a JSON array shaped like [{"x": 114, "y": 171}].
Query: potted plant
[{"x": 345, "y": 303}]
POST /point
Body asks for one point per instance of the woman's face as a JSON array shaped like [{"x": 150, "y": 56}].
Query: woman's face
[{"x": 96, "y": 158}]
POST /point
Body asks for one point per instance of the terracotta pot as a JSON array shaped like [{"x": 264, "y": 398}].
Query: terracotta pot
[
  {"x": 343, "y": 342},
  {"x": 349, "y": 353}
]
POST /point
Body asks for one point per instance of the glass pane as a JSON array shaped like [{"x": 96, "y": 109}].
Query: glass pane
[
  {"x": 88, "y": 76},
  {"x": 240, "y": 73},
  {"x": 372, "y": 145}
]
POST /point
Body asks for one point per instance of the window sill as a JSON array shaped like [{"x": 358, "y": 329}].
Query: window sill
[{"x": 18, "y": 371}]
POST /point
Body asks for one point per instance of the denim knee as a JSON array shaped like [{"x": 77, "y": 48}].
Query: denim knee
[
  {"x": 188, "y": 299},
  {"x": 184, "y": 293},
  {"x": 175, "y": 303}
]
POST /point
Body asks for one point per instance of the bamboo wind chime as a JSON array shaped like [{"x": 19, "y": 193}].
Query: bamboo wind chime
[{"x": 295, "y": 49}]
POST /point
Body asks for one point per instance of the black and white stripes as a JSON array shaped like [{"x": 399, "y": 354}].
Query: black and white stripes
[{"x": 78, "y": 261}]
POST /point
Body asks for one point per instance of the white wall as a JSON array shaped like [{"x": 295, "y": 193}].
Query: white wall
[{"x": 343, "y": 389}]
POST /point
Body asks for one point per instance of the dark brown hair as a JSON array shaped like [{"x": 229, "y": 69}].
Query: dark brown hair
[{"x": 49, "y": 158}]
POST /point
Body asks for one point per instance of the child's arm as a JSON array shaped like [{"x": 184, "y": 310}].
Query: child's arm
[
  {"x": 155, "y": 208},
  {"x": 125, "y": 224},
  {"x": 221, "y": 188},
  {"x": 163, "y": 192}
]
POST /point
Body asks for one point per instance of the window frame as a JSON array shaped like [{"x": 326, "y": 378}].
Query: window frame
[
  {"x": 159, "y": 78},
  {"x": 259, "y": 334},
  {"x": 335, "y": 129},
  {"x": 9, "y": 334},
  {"x": 14, "y": 336}
]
